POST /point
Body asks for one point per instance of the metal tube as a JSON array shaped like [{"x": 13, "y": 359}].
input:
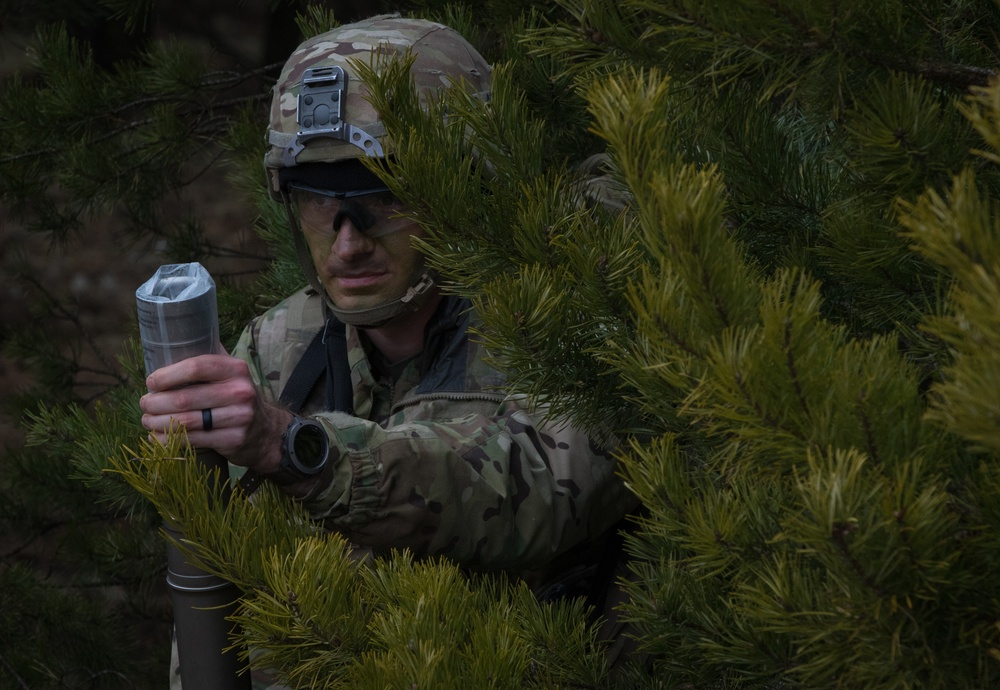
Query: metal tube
[
  {"x": 178, "y": 318},
  {"x": 202, "y": 603}
]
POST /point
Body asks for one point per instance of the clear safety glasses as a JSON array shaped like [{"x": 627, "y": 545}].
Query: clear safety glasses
[{"x": 375, "y": 213}]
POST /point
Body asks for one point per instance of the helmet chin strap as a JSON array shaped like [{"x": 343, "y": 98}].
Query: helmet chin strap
[
  {"x": 421, "y": 285},
  {"x": 373, "y": 317}
]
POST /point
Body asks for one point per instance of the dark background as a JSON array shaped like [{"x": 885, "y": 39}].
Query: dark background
[
  {"x": 93, "y": 275},
  {"x": 85, "y": 286}
]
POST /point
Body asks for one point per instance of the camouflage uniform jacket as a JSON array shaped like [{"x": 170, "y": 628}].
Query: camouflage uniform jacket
[{"x": 441, "y": 461}]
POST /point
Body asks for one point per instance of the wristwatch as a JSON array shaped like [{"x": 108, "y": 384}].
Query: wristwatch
[{"x": 304, "y": 452}]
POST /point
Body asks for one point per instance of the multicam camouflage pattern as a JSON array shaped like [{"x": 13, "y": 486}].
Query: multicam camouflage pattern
[
  {"x": 441, "y": 58},
  {"x": 443, "y": 461}
]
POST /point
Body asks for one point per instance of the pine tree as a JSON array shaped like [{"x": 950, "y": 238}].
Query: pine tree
[
  {"x": 792, "y": 322},
  {"x": 104, "y": 127},
  {"x": 758, "y": 241}
]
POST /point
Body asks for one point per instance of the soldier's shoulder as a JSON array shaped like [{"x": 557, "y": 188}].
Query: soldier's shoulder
[
  {"x": 294, "y": 310},
  {"x": 295, "y": 319}
]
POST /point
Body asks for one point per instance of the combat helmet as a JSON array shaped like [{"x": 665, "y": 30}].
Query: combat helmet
[{"x": 321, "y": 114}]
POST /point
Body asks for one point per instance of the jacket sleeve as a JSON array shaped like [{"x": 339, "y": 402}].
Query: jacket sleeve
[
  {"x": 487, "y": 490},
  {"x": 479, "y": 479}
]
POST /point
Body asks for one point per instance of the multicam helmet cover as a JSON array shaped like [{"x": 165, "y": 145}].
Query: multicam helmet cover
[{"x": 320, "y": 111}]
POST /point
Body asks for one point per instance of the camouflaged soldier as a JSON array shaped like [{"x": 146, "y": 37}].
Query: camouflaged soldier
[{"x": 363, "y": 395}]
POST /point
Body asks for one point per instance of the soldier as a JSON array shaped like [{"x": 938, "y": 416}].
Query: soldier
[{"x": 363, "y": 395}]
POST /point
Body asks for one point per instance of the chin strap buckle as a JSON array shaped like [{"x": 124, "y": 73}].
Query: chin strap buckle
[{"x": 425, "y": 283}]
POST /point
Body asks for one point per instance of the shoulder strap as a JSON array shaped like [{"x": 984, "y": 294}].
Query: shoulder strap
[
  {"x": 325, "y": 354},
  {"x": 306, "y": 373},
  {"x": 339, "y": 390}
]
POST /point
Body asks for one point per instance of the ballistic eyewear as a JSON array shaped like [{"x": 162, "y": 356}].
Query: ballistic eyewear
[{"x": 375, "y": 212}]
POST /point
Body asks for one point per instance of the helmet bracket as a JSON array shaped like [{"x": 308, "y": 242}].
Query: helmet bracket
[{"x": 320, "y": 114}]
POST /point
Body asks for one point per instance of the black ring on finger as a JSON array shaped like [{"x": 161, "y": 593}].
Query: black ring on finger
[{"x": 206, "y": 419}]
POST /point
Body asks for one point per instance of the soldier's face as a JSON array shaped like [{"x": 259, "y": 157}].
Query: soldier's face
[{"x": 360, "y": 271}]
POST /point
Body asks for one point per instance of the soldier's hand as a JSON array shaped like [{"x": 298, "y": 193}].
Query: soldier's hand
[{"x": 216, "y": 391}]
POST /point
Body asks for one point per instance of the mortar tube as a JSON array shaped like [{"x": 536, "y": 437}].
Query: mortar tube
[{"x": 202, "y": 604}]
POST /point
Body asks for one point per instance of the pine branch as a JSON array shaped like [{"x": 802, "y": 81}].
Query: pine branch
[
  {"x": 13, "y": 673},
  {"x": 949, "y": 74}
]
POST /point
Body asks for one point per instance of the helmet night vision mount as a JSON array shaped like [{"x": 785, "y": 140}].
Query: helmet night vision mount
[{"x": 320, "y": 113}]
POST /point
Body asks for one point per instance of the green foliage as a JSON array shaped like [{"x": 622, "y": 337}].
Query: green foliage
[
  {"x": 758, "y": 241},
  {"x": 91, "y": 130},
  {"x": 98, "y": 604},
  {"x": 802, "y": 343},
  {"x": 41, "y": 657},
  {"x": 321, "y": 616},
  {"x": 82, "y": 140},
  {"x": 316, "y": 20}
]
